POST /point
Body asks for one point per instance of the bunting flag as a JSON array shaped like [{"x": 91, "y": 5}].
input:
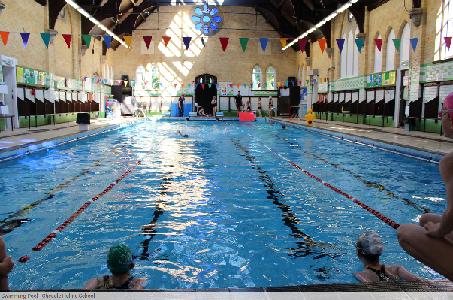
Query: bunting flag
[
  {"x": 86, "y": 39},
  {"x": 203, "y": 42},
  {"x": 302, "y": 44},
  {"x": 397, "y": 43},
  {"x": 25, "y": 37},
  {"x": 340, "y": 43},
  {"x": 202, "y": 86},
  {"x": 448, "y": 41},
  {"x": 128, "y": 40},
  {"x": 360, "y": 44},
  {"x": 263, "y": 42},
  {"x": 147, "y": 39},
  {"x": 186, "y": 40},
  {"x": 5, "y": 36},
  {"x": 322, "y": 44},
  {"x": 378, "y": 43},
  {"x": 67, "y": 38},
  {"x": 244, "y": 42},
  {"x": 166, "y": 40},
  {"x": 224, "y": 42},
  {"x": 209, "y": 85},
  {"x": 283, "y": 42},
  {"x": 414, "y": 43},
  {"x": 107, "y": 41},
  {"x": 45, "y": 36}
]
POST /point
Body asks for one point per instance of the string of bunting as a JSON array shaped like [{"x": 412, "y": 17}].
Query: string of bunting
[{"x": 47, "y": 39}]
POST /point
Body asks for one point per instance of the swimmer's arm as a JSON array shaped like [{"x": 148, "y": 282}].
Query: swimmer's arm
[
  {"x": 92, "y": 284},
  {"x": 360, "y": 276},
  {"x": 406, "y": 275},
  {"x": 2, "y": 249},
  {"x": 446, "y": 225}
]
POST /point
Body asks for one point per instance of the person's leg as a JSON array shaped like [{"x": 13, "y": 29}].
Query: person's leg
[
  {"x": 435, "y": 253},
  {"x": 3, "y": 267}
]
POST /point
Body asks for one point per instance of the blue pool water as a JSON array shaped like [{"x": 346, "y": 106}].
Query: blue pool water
[{"x": 217, "y": 209}]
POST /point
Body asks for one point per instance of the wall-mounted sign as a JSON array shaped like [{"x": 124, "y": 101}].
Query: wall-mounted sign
[{"x": 381, "y": 79}]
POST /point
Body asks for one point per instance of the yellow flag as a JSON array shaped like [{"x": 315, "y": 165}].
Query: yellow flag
[
  {"x": 284, "y": 42},
  {"x": 128, "y": 40}
]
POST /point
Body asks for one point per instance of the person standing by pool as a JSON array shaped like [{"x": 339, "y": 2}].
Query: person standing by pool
[
  {"x": 369, "y": 249},
  {"x": 6, "y": 266},
  {"x": 271, "y": 107},
  {"x": 431, "y": 242},
  {"x": 181, "y": 105},
  {"x": 238, "y": 99},
  {"x": 259, "y": 111},
  {"x": 119, "y": 262},
  {"x": 214, "y": 105}
]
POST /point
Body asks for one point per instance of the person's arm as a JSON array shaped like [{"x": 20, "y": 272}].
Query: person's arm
[
  {"x": 447, "y": 125},
  {"x": 360, "y": 276},
  {"x": 406, "y": 275},
  {"x": 6, "y": 267},
  {"x": 92, "y": 284}
]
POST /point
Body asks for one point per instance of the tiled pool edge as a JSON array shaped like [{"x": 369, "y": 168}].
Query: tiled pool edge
[
  {"x": 30, "y": 148},
  {"x": 413, "y": 152}
]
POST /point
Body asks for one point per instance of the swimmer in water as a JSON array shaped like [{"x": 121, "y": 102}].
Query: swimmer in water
[
  {"x": 6, "y": 266},
  {"x": 283, "y": 126},
  {"x": 120, "y": 263},
  {"x": 183, "y": 135}
]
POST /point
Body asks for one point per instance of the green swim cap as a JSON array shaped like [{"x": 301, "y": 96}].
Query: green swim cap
[{"x": 119, "y": 259}]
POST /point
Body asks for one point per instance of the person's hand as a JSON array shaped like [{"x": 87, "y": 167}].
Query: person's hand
[
  {"x": 432, "y": 230},
  {"x": 6, "y": 266}
]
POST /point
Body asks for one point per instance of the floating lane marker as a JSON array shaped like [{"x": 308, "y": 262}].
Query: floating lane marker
[
  {"x": 74, "y": 216},
  {"x": 374, "y": 212}
]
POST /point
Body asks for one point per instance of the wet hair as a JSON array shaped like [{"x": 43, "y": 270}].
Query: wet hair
[
  {"x": 283, "y": 126},
  {"x": 369, "y": 246}
]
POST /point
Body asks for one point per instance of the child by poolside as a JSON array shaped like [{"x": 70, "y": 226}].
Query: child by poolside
[{"x": 6, "y": 266}]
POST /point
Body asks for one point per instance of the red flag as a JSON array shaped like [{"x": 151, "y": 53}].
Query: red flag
[
  {"x": 202, "y": 86},
  {"x": 5, "y": 36},
  {"x": 224, "y": 42},
  {"x": 302, "y": 44},
  {"x": 147, "y": 40},
  {"x": 322, "y": 44},
  {"x": 378, "y": 44},
  {"x": 67, "y": 39},
  {"x": 166, "y": 40},
  {"x": 447, "y": 42}
]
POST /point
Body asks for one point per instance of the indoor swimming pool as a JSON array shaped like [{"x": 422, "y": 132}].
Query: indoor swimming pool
[{"x": 209, "y": 205}]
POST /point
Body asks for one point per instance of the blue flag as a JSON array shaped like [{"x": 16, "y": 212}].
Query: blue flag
[
  {"x": 414, "y": 43},
  {"x": 340, "y": 43},
  {"x": 45, "y": 38},
  {"x": 264, "y": 42},
  {"x": 107, "y": 40},
  {"x": 186, "y": 40}
]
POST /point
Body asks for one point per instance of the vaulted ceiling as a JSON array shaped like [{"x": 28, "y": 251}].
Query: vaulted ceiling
[{"x": 289, "y": 17}]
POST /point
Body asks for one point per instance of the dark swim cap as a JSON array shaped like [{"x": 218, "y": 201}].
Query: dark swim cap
[{"x": 119, "y": 259}]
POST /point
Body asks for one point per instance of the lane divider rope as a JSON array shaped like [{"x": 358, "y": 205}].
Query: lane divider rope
[
  {"x": 74, "y": 216},
  {"x": 374, "y": 212}
]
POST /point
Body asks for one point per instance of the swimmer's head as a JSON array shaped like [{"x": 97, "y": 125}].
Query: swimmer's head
[
  {"x": 119, "y": 259},
  {"x": 369, "y": 246},
  {"x": 283, "y": 126}
]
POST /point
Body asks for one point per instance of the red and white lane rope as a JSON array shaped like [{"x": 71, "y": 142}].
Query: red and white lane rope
[
  {"x": 374, "y": 212},
  {"x": 74, "y": 216}
]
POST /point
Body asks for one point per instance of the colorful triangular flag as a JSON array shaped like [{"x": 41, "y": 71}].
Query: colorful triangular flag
[
  {"x": 340, "y": 43},
  {"x": 447, "y": 40},
  {"x": 244, "y": 42},
  {"x": 414, "y": 43},
  {"x": 128, "y": 40},
  {"x": 5, "y": 36},
  {"x": 25, "y": 37},
  {"x": 203, "y": 42},
  {"x": 202, "y": 86},
  {"x": 147, "y": 39},
  {"x": 107, "y": 41},
  {"x": 322, "y": 44},
  {"x": 166, "y": 40},
  {"x": 263, "y": 42},
  {"x": 224, "y": 42},
  {"x": 283, "y": 42},
  {"x": 378, "y": 43},
  {"x": 45, "y": 36},
  {"x": 302, "y": 44},
  {"x": 87, "y": 40},
  {"x": 67, "y": 38},
  {"x": 186, "y": 40},
  {"x": 397, "y": 43},
  {"x": 360, "y": 44}
]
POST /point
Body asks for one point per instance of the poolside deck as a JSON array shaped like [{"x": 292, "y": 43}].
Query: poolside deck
[{"x": 397, "y": 136}]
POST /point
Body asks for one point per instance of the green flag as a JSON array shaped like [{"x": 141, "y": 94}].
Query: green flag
[
  {"x": 244, "y": 43},
  {"x": 397, "y": 43},
  {"x": 87, "y": 39}
]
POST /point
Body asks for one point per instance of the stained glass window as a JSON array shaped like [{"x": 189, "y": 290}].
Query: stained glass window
[{"x": 206, "y": 19}]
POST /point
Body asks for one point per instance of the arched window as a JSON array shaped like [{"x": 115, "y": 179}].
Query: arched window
[
  {"x": 257, "y": 78},
  {"x": 344, "y": 63},
  {"x": 444, "y": 28},
  {"x": 377, "y": 58},
  {"x": 140, "y": 75},
  {"x": 271, "y": 78},
  {"x": 390, "y": 64},
  {"x": 405, "y": 44},
  {"x": 151, "y": 77}
]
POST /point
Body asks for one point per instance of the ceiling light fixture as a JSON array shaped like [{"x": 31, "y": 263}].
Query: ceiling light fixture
[
  {"x": 322, "y": 23},
  {"x": 96, "y": 22}
]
